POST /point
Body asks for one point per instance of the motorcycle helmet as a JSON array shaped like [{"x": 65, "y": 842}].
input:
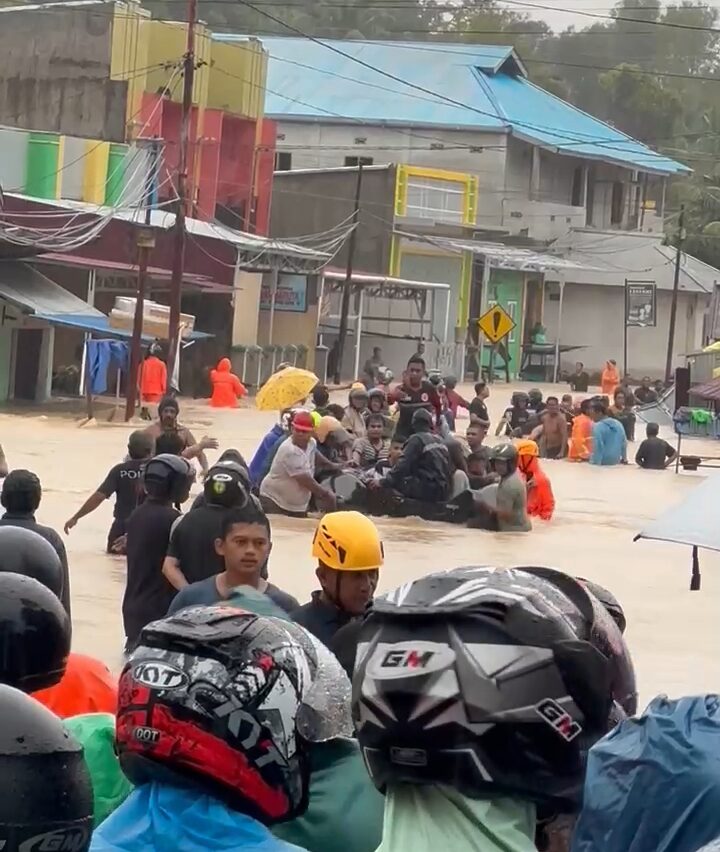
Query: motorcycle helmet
[
  {"x": 494, "y": 682},
  {"x": 227, "y": 484},
  {"x": 386, "y": 376},
  {"x": 519, "y": 396},
  {"x": 435, "y": 378},
  {"x": 48, "y": 798},
  {"x": 28, "y": 553},
  {"x": 535, "y": 396},
  {"x": 211, "y": 697},
  {"x": 608, "y": 620},
  {"x": 348, "y": 541},
  {"x": 506, "y": 453},
  {"x": 358, "y": 394},
  {"x": 168, "y": 477},
  {"x": 34, "y": 634}
]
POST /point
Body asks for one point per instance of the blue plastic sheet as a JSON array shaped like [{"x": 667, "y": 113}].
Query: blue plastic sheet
[
  {"x": 161, "y": 818},
  {"x": 653, "y": 784}
]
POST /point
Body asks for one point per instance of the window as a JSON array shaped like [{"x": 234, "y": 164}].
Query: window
[
  {"x": 576, "y": 193},
  {"x": 440, "y": 200},
  {"x": 358, "y": 161},
  {"x": 283, "y": 161},
  {"x": 617, "y": 203}
]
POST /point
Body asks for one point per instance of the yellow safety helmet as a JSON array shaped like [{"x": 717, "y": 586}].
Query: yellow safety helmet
[
  {"x": 526, "y": 447},
  {"x": 348, "y": 541}
]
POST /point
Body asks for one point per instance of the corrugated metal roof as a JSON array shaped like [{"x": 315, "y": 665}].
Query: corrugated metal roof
[
  {"x": 609, "y": 257},
  {"x": 27, "y": 288},
  {"x": 306, "y": 80}
]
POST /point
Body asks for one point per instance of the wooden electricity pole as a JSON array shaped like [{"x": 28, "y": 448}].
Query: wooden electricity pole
[{"x": 674, "y": 302}]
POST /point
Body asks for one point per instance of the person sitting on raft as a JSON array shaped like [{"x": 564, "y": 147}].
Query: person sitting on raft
[
  {"x": 377, "y": 404},
  {"x": 373, "y": 448},
  {"x": 540, "y": 498},
  {"x": 227, "y": 387},
  {"x": 424, "y": 470},
  {"x": 354, "y": 417}
]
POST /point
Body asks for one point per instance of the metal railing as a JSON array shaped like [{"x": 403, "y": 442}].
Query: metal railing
[{"x": 255, "y": 364}]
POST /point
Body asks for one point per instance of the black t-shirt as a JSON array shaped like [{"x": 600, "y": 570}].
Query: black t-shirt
[
  {"x": 410, "y": 400},
  {"x": 123, "y": 480},
  {"x": 580, "y": 382},
  {"x": 147, "y": 593},
  {"x": 192, "y": 543},
  {"x": 479, "y": 409},
  {"x": 653, "y": 453}
]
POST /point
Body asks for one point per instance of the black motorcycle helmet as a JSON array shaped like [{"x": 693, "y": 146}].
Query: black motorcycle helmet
[
  {"x": 506, "y": 453},
  {"x": 227, "y": 484},
  {"x": 168, "y": 477},
  {"x": 48, "y": 798},
  {"x": 494, "y": 682},
  {"x": 28, "y": 553},
  {"x": 34, "y": 634}
]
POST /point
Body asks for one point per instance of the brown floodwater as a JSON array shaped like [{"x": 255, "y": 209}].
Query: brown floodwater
[{"x": 672, "y": 632}]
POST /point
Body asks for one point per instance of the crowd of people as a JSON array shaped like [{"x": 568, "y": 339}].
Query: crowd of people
[
  {"x": 484, "y": 709},
  {"x": 481, "y": 709}
]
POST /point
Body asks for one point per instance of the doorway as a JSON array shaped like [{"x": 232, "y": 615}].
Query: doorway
[
  {"x": 533, "y": 307},
  {"x": 27, "y": 362}
]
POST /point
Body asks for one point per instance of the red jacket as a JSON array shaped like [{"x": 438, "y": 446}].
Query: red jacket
[{"x": 226, "y": 386}]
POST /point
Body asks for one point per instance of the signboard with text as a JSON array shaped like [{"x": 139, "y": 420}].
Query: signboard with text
[
  {"x": 640, "y": 303},
  {"x": 291, "y": 294}
]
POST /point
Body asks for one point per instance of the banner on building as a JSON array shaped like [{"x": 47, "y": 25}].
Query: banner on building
[
  {"x": 640, "y": 303},
  {"x": 291, "y": 294}
]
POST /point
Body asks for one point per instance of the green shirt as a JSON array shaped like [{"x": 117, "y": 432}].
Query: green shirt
[
  {"x": 512, "y": 497},
  {"x": 345, "y": 813}
]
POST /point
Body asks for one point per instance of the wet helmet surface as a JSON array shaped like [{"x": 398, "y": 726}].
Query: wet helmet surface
[
  {"x": 28, "y": 553},
  {"x": 227, "y": 484},
  {"x": 493, "y": 682},
  {"x": 168, "y": 476},
  {"x": 34, "y": 634},
  {"x": 47, "y": 801},
  {"x": 212, "y": 695}
]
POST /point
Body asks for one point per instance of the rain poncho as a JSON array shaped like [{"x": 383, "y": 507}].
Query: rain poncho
[
  {"x": 429, "y": 819},
  {"x": 653, "y": 784},
  {"x": 96, "y": 733},
  {"x": 86, "y": 687},
  {"x": 226, "y": 386},
  {"x": 346, "y": 811},
  {"x": 161, "y": 818}
]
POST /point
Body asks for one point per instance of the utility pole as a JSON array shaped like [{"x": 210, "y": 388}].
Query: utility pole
[
  {"x": 676, "y": 287},
  {"x": 182, "y": 188},
  {"x": 145, "y": 244},
  {"x": 345, "y": 302}
]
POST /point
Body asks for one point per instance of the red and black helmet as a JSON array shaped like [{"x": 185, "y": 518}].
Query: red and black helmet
[{"x": 211, "y": 697}]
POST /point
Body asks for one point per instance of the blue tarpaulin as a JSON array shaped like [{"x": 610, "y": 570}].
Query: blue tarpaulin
[{"x": 99, "y": 324}]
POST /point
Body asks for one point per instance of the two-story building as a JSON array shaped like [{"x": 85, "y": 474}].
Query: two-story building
[{"x": 489, "y": 160}]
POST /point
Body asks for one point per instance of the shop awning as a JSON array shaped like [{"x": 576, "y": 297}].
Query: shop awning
[{"x": 34, "y": 293}]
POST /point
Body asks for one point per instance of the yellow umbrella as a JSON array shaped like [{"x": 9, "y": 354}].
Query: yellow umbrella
[{"x": 285, "y": 388}]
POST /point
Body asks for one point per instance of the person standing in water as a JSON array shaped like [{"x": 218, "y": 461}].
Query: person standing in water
[
  {"x": 123, "y": 480},
  {"x": 609, "y": 439},
  {"x": 610, "y": 378},
  {"x": 413, "y": 393},
  {"x": 226, "y": 386},
  {"x": 581, "y": 435},
  {"x": 170, "y": 437},
  {"x": 153, "y": 380}
]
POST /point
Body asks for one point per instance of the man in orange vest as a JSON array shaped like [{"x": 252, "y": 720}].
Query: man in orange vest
[
  {"x": 540, "y": 501},
  {"x": 153, "y": 381}
]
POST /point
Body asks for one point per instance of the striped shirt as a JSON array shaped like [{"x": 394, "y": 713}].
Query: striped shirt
[{"x": 367, "y": 455}]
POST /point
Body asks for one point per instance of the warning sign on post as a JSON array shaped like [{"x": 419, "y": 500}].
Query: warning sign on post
[{"x": 496, "y": 323}]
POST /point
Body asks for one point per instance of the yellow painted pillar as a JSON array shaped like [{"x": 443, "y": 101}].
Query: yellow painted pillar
[{"x": 96, "y": 171}]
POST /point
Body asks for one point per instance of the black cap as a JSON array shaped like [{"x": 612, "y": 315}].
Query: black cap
[
  {"x": 422, "y": 417},
  {"x": 47, "y": 800}
]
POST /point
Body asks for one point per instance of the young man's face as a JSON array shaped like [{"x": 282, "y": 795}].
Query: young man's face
[
  {"x": 353, "y": 592},
  {"x": 477, "y": 467},
  {"x": 475, "y": 436},
  {"x": 245, "y": 550},
  {"x": 374, "y": 430},
  {"x": 396, "y": 449},
  {"x": 415, "y": 373},
  {"x": 359, "y": 402},
  {"x": 375, "y": 403},
  {"x": 578, "y": 367},
  {"x": 168, "y": 417},
  {"x": 552, "y": 406}
]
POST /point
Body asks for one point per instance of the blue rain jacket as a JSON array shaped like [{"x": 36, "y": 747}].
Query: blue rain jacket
[
  {"x": 653, "y": 784},
  {"x": 160, "y": 818}
]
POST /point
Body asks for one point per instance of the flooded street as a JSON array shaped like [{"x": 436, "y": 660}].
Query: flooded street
[{"x": 672, "y": 632}]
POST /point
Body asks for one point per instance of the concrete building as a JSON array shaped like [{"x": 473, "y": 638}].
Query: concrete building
[
  {"x": 536, "y": 168},
  {"x": 88, "y": 78}
]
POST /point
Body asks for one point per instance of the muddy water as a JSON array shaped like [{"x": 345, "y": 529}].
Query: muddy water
[{"x": 672, "y": 632}]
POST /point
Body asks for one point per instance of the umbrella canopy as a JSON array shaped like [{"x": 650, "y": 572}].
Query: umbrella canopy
[
  {"x": 286, "y": 388},
  {"x": 693, "y": 522},
  {"x": 709, "y": 391}
]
